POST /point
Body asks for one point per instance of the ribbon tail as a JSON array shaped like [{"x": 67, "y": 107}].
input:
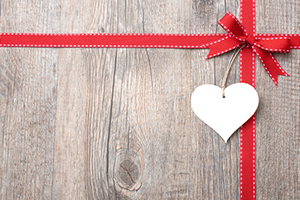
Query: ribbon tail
[
  {"x": 270, "y": 64},
  {"x": 222, "y": 46}
]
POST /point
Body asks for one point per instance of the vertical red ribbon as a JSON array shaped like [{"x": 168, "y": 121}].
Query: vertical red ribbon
[{"x": 248, "y": 133}]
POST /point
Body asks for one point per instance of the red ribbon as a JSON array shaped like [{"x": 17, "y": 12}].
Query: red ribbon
[
  {"x": 263, "y": 47},
  {"x": 262, "y": 44}
]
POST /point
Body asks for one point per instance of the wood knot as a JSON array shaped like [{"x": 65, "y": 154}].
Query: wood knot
[
  {"x": 129, "y": 165},
  {"x": 129, "y": 172}
]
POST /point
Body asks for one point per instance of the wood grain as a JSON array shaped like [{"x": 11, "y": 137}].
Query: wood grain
[
  {"x": 28, "y": 92},
  {"x": 117, "y": 123},
  {"x": 278, "y": 118}
]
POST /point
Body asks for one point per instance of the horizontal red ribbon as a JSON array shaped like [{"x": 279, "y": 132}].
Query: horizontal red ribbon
[
  {"x": 122, "y": 40},
  {"x": 108, "y": 40},
  {"x": 262, "y": 44}
]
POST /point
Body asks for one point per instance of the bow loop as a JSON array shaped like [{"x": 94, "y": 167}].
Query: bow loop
[
  {"x": 274, "y": 44},
  {"x": 263, "y": 47},
  {"x": 233, "y": 26}
]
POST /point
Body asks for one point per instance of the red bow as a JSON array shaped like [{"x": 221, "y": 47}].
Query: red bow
[{"x": 263, "y": 47}]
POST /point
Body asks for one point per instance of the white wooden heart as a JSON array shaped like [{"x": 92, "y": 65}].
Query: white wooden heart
[{"x": 225, "y": 115}]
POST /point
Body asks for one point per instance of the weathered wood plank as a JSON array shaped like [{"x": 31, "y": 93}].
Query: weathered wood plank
[
  {"x": 278, "y": 118},
  {"x": 215, "y": 164},
  {"x": 27, "y": 103},
  {"x": 85, "y": 82}
]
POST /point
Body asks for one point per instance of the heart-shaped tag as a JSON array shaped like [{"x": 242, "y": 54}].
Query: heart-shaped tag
[{"x": 225, "y": 115}]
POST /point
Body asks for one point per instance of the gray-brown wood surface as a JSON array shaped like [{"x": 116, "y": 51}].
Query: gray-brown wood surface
[{"x": 117, "y": 123}]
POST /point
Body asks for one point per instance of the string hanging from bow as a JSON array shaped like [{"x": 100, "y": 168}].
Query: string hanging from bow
[{"x": 263, "y": 47}]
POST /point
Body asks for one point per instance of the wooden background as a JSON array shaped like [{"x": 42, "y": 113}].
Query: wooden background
[{"x": 117, "y": 123}]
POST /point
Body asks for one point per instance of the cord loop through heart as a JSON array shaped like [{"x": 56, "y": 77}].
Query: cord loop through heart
[{"x": 234, "y": 55}]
